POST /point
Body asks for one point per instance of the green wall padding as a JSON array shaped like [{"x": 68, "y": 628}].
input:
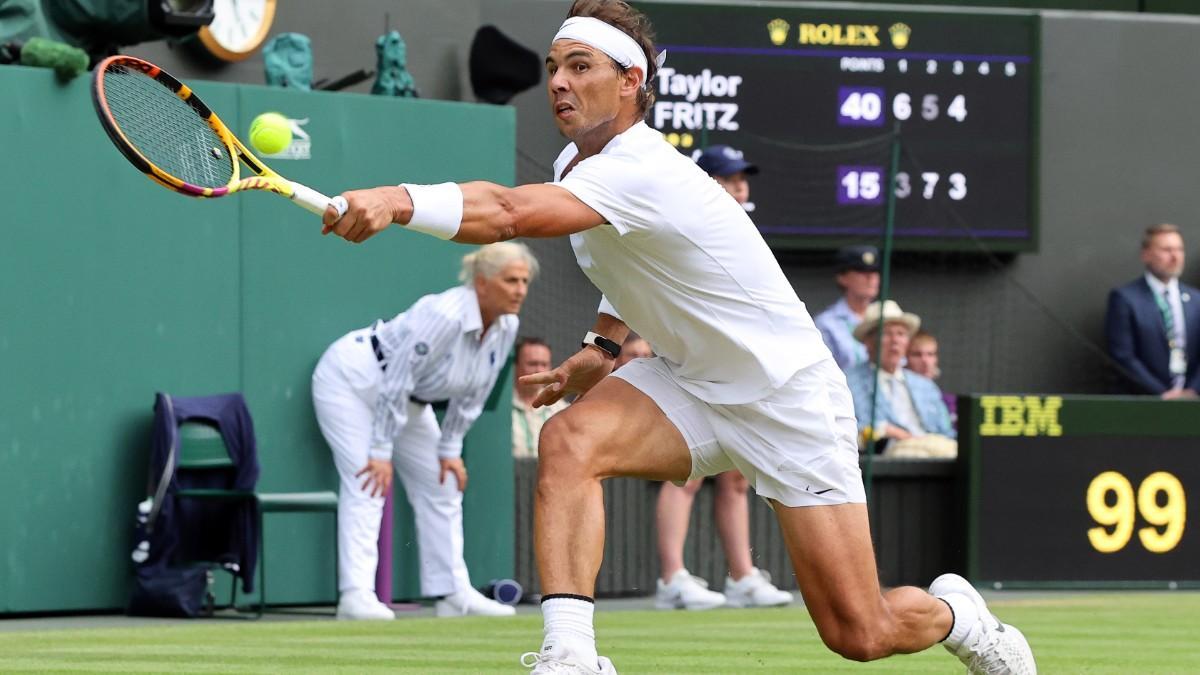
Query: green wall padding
[{"x": 114, "y": 288}]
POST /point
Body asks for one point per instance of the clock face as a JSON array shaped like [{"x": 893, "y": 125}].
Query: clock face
[{"x": 239, "y": 27}]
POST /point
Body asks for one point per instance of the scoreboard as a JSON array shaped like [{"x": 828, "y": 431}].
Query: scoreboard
[
  {"x": 815, "y": 96},
  {"x": 1080, "y": 491}
]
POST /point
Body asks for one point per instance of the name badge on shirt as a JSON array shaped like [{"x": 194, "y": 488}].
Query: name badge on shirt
[{"x": 1178, "y": 365}]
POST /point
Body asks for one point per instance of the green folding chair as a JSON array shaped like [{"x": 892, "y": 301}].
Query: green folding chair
[{"x": 201, "y": 448}]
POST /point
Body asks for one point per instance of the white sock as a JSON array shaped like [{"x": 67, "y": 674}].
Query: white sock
[
  {"x": 568, "y": 623},
  {"x": 966, "y": 616}
]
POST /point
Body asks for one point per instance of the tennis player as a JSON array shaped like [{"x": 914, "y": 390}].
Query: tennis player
[{"x": 741, "y": 379}]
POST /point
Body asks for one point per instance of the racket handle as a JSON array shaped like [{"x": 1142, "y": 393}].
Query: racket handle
[{"x": 316, "y": 202}]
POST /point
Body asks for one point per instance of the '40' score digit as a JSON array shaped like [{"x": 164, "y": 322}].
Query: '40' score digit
[{"x": 1120, "y": 515}]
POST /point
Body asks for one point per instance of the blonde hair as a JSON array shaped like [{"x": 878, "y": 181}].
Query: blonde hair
[{"x": 487, "y": 261}]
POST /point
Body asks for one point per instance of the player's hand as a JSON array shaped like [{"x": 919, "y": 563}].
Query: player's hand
[
  {"x": 576, "y": 375},
  {"x": 378, "y": 477},
  {"x": 368, "y": 212},
  {"x": 456, "y": 467}
]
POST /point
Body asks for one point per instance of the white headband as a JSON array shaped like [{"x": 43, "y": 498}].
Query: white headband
[{"x": 608, "y": 39}]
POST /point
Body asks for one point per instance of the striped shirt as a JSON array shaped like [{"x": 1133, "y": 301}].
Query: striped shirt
[{"x": 437, "y": 350}]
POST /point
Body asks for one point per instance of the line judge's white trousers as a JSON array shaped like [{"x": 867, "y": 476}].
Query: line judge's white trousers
[{"x": 345, "y": 385}]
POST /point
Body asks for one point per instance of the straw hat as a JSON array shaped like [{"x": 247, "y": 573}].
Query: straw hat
[{"x": 891, "y": 313}]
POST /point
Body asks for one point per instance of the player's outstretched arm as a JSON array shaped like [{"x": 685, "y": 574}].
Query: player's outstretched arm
[{"x": 471, "y": 213}]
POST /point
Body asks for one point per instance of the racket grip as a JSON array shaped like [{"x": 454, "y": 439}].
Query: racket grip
[{"x": 316, "y": 202}]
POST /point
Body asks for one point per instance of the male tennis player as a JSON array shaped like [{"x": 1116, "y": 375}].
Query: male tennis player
[{"x": 742, "y": 379}]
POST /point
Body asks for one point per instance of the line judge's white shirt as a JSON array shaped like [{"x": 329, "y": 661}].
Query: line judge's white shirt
[
  {"x": 434, "y": 352},
  {"x": 685, "y": 268}
]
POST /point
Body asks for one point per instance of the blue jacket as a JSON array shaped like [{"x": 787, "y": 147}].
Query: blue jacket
[
  {"x": 1137, "y": 337},
  {"x": 926, "y": 397},
  {"x": 837, "y": 325}
]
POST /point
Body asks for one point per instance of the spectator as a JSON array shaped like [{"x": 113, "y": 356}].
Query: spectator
[
  {"x": 729, "y": 167},
  {"x": 1153, "y": 322},
  {"x": 533, "y": 356},
  {"x": 907, "y": 405},
  {"x": 923, "y": 355},
  {"x": 923, "y": 360},
  {"x": 858, "y": 277}
]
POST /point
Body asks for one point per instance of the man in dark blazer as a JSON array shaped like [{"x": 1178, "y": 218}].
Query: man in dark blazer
[{"x": 1153, "y": 323}]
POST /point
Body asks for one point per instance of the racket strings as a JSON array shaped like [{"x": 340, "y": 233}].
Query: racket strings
[{"x": 165, "y": 129}]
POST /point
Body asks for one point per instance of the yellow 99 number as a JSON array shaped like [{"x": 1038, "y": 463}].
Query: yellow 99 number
[{"x": 1120, "y": 516}]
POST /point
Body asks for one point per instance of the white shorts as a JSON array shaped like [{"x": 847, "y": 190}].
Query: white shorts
[{"x": 797, "y": 446}]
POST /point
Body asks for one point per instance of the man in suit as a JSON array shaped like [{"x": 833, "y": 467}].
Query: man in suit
[
  {"x": 907, "y": 405},
  {"x": 1153, "y": 322}
]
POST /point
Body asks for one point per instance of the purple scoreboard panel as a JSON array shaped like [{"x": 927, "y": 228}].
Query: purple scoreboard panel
[{"x": 814, "y": 96}]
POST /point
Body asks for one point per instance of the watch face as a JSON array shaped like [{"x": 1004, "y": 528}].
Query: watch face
[{"x": 239, "y": 26}]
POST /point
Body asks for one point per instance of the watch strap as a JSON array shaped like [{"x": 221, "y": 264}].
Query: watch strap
[{"x": 595, "y": 339}]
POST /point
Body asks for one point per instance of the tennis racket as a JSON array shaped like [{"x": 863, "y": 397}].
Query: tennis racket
[{"x": 165, "y": 130}]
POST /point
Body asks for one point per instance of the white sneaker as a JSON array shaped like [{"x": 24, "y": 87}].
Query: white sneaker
[
  {"x": 755, "y": 590},
  {"x": 560, "y": 660},
  {"x": 363, "y": 606},
  {"x": 686, "y": 592},
  {"x": 471, "y": 602},
  {"x": 990, "y": 647}
]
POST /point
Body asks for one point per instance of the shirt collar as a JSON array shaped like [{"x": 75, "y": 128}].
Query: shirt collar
[
  {"x": 897, "y": 376},
  {"x": 472, "y": 320},
  {"x": 1158, "y": 286}
]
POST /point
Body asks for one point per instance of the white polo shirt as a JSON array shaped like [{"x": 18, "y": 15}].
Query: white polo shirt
[{"x": 684, "y": 266}]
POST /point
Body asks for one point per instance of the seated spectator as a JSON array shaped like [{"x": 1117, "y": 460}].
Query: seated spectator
[
  {"x": 533, "y": 356},
  {"x": 1153, "y": 322},
  {"x": 923, "y": 360},
  {"x": 908, "y": 410},
  {"x": 858, "y": 277}
]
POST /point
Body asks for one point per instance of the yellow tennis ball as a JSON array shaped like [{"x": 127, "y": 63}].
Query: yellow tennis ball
[{"x": 270, "y": 133}]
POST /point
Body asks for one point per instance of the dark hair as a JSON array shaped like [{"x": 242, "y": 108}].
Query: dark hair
[
  {"x": 1155, "y": 230},
  {"x": 528, "y": 341},
  {"x": 618, "y": 14}
]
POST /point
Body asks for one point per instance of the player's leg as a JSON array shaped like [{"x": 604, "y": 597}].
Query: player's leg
[
  {"x": 835, "y": 566},
  {"x": 618, "y": 429},
  {"x": 438, "y": 514},
  {"x": 615, "y": 430},
  {"x": 343, "y": 387},
  {"x": 831, "y": 552},
  {"x": 677, "y": 588},
  {"x": 799, "y": 449},
  {"x": 746, "y": 585}
]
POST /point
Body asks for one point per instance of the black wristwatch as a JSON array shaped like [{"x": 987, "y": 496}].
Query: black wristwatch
[{"x": 602, "y": 342}]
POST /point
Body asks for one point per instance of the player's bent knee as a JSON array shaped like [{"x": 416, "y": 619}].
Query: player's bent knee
[
  {"x": 563, "y": 448},
  {"x": 857, "y": 643}
]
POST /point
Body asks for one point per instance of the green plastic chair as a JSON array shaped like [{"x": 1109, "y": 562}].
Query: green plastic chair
[{"x": 201, "y": 448}]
